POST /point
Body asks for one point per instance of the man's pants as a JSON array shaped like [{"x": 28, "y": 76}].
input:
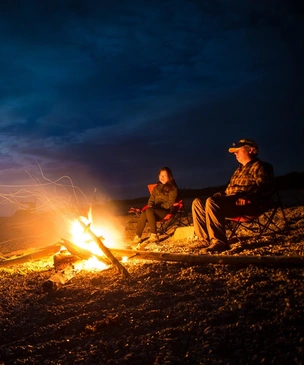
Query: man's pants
[{"x": 209, "y": 215}]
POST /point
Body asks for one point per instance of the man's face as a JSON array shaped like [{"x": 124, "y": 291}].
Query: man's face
[{"x": 242, "y": 155}]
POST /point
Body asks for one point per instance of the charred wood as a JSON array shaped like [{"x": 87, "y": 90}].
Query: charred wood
[
  {"x": 63, "y": 259},
  {"x": 56, "y": 281},
  {"x": 81, "y": 252}
]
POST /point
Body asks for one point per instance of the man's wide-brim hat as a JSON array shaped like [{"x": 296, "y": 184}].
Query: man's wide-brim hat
[{"x": 241, "y": 143}]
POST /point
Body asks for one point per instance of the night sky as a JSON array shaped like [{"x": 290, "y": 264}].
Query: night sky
[{"x": 107, "y": 92}]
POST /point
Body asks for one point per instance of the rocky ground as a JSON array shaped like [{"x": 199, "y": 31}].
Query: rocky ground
[{"x": 165, "y": 313}]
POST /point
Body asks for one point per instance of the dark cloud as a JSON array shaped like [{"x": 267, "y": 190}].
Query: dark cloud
[{"x": 108, "y": 92}]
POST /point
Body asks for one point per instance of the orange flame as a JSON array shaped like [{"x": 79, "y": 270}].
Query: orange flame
[{"x": 83, "y": 240}]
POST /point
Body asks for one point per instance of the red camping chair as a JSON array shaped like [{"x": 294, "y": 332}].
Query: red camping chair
[
  {"x": 151, "y": 187},
  {"x": 273, "y": 220},
  {"x": 178, "y": 217}
]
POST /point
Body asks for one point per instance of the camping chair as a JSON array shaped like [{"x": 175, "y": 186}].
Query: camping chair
[
  {"x": 273, "y": 220},
  {"x": 178, "y": 217}
]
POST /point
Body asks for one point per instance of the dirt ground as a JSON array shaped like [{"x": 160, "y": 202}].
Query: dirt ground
[{"x": 165, "y": 313}]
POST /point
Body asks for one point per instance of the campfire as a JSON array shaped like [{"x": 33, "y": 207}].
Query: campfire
[
  {"x": 82, "y": 246},
  {"x": 86, "y": 251}
]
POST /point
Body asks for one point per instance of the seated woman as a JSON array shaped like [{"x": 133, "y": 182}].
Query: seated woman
[{"x": 160, "y": 203}]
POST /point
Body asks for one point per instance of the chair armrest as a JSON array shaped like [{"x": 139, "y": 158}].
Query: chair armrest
[
  {"x": 144, "y": 208},
  {"x": 134, "y": 210}
]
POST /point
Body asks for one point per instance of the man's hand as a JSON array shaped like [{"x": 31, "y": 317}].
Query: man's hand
[{"x": 242, "y": 201}]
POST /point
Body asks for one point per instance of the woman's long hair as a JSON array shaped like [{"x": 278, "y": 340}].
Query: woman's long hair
[{"x": 171, "y": 184}]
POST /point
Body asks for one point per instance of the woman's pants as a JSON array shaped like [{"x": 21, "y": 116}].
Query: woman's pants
[{"x": 150, "y": 215}]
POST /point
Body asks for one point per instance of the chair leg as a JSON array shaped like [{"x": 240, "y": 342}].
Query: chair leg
[
  {"x": 272, "y": 226},
  {"x": 266, "y": 222},
  {"x": 176, "y": 220},
  {"x": 233, "y": 227}
]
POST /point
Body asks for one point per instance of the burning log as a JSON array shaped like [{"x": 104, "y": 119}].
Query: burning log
[
  {"x": 213, "y": 259},
  {"x": 34, "y": 256},
  {"x": 121, "y": 269},
  {"x": 81, "y": 252},
  {"x": 64, "y": 258},
  {"x": 75, "y": 250}
]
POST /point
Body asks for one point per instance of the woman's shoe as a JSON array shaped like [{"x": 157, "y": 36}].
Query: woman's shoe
[
  {"x": 136, "y": 240},
  {"x": 153, "y": 238}
]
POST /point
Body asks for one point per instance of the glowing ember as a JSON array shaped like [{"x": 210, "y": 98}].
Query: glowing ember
[{"x": 91, "y": 264}]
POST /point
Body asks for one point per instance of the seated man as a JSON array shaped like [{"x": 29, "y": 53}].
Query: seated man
[{"x": 248, "y": 192}]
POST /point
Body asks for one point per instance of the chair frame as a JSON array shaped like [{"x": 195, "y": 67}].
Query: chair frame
[
  {"x": 262, "y": 224},
  {"x": 173, "y": 219}
]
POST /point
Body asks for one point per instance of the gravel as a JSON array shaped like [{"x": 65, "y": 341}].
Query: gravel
[{"x": 166, "y": 313}]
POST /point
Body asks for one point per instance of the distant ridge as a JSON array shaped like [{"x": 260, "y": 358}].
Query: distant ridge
[{"x": 293, "y": 180}]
